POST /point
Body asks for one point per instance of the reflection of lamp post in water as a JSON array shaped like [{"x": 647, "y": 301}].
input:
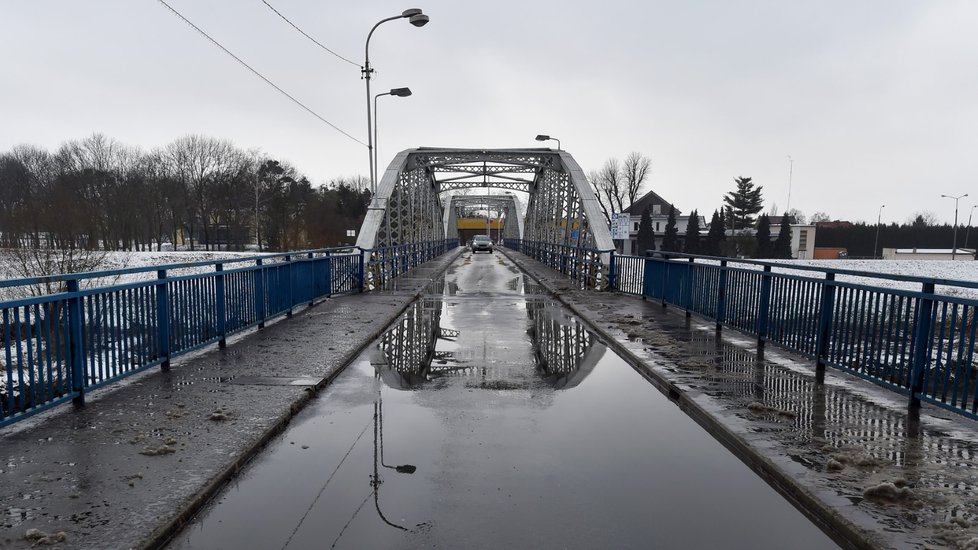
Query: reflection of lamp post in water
[{"x": 375, "y": 480}]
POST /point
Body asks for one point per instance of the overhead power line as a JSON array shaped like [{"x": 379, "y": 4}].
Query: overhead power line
[
  {"x": 259, "y": 75},
  {"x": 316, "y": 42}
]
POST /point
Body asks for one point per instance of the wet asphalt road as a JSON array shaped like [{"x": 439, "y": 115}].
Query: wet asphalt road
[{"x": 488, "y": 417}]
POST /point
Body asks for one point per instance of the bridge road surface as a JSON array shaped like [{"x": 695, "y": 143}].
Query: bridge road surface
[{"x": 484, "y": 448}]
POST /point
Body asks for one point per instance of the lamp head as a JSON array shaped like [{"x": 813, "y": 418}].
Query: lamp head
[
  {"x": 542, "y": 137},
  {"x": 419, "y": 20},
  {"x": 401, "y": 92},
  {"x": 410, "y": 12}
]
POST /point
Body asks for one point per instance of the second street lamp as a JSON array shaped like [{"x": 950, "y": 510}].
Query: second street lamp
[
  {"x": 877, "y": 241},
  {"x": 954, "y": 245},
  {"x": 544, "y": 137},
  {"x": 968, "y": 230},
  {"x": 396, "y": 92},
  {"x": 416, "y": 18}
]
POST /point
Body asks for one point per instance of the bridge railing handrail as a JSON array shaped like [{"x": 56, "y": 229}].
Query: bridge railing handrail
[
  {"x": 56, "y": 347},
  {"x": 815, "y": 269},
  {"x": 298, "y": 255},
  {"x": 914, "y": 341},
  {"x": 590, "y": 267}
]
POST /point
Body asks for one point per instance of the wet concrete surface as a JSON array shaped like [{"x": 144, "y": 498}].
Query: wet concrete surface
[
  {"x": 842, "y": 447},
  {"x": 489, "y": 416},
  {"x": 124, "y": 470}
]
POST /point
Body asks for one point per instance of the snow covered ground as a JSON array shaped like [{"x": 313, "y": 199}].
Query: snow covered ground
[
  {"x": 125, "y": 260},
  {"x": 966, "y": 271}
]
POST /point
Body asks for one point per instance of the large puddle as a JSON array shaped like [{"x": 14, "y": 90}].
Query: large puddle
[{"x": 488, "y": 416}]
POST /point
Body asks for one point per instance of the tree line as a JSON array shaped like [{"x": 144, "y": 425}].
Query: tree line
[
  {"x": 859, "y": 238},
  {"x": 204, "y": 193}
]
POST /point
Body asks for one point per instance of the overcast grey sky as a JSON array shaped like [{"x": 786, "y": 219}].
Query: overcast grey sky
[{"x": 876, "y": 101}]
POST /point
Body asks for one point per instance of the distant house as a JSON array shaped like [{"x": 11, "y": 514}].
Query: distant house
[
  {"x": 659, "y": 214},
  {"x": 928, "y": 254},
  {"x": 833, "y": 224}
]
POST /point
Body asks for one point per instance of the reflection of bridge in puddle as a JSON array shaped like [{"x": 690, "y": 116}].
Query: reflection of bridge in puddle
[
  {"x": 815, "y": 423},
  {"x": 417, "y": 350}
]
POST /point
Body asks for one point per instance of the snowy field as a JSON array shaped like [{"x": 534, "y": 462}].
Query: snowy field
[
  {"x": 966, "y": 271},
  {"x": 126, "y": 260}
]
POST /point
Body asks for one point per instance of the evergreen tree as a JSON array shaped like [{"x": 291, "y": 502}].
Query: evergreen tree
[
  {"x": 670, "y": 240},
  {"x": 782, "y": 246},
  {"x": 744, "y": 203},
  {"x": 645, "y": 240},
  {"x": 716, "y": 236},
  {"x": 691, "y": 245},
  {"x": 763, "y": 236}
]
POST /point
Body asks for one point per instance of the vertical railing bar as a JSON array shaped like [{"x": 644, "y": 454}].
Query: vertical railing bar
[
  {"x": 220, "y": 303},
  {"x": 75, "y": 342},
  {"x": 163, "y": 319},
  {"x": 921, "y": 357},
  {"x": 824, "y": 326}
]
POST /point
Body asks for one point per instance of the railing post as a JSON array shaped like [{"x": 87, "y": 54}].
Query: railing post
[
  {"x": 665, "y": 278},
  {"x": 921, "y": 351},
  {"x": 290, "y": 274},
  {"x": 361, "y": 269},
  {"x": 690, "y": 279},
  {"x": 221, "y": 307},
  {"x": 612, "y": 278},
  {"x": 163, "y": 318},
  {"x": 764, "y": 307},
  {"x": 260, "y": 293},
  {"x": 329, "y": 274},
  {"x": 76, "y": 331},
  {"x": 721, "y": 313},
  {"x": 647, "y": 274},
  {"x": 824, "y": 326},
  {"x": 312, "y": 279}
]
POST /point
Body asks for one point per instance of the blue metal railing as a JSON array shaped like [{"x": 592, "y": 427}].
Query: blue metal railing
[
  {"x": 383, "y": 265},
  {"x": 911, "y": 340},
  {"x": 58, "y": 346},
  {"x": 581, "y": 264}
]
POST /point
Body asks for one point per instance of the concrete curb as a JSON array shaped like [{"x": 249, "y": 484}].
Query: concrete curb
[
  {"x": 837, "y": 527},
  {"x": 164, "y": 533}
]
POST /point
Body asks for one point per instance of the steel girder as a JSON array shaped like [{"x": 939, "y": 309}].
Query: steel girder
[{"x": 561, "y": 209}]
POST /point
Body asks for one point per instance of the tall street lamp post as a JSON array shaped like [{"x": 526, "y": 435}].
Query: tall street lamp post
[
  {"x": 416, "y": 18},
  {"x": 968, "y": 230},
  {"x": 954, "y": 245},
  {"x": 543, "y": 137},
  {"x": 396, "y": 92},
  {"x": 877, "y": 241}
]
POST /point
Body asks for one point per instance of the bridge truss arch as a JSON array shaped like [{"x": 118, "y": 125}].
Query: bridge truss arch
[{"x": 415, "y": 198}]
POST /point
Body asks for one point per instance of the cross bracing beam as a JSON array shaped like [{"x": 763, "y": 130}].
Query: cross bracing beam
[{"x": 510, "y": 185}]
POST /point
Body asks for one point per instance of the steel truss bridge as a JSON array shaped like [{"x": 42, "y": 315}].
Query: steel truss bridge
[{"x": 424, "y": 190}]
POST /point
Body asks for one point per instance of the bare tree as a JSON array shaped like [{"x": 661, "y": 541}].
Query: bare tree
[
  {"x": 617, "y": 185},
  {"x": 195, "y": 160},
  {"x": 635, "y": 170},
  {"x": 608, "y": 185}
]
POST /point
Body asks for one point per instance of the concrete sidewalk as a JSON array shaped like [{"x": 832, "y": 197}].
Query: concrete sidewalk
[
  {"x": 839, "y": 451},
  {"x": 141, "y": 457}
]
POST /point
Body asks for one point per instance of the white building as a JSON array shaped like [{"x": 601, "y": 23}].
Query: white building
[{"x": 928, "y": 254}]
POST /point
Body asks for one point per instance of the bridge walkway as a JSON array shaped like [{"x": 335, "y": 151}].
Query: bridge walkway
[
  {"x": 142, "y": 455},
  {"x": 840, "y": 449}
]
